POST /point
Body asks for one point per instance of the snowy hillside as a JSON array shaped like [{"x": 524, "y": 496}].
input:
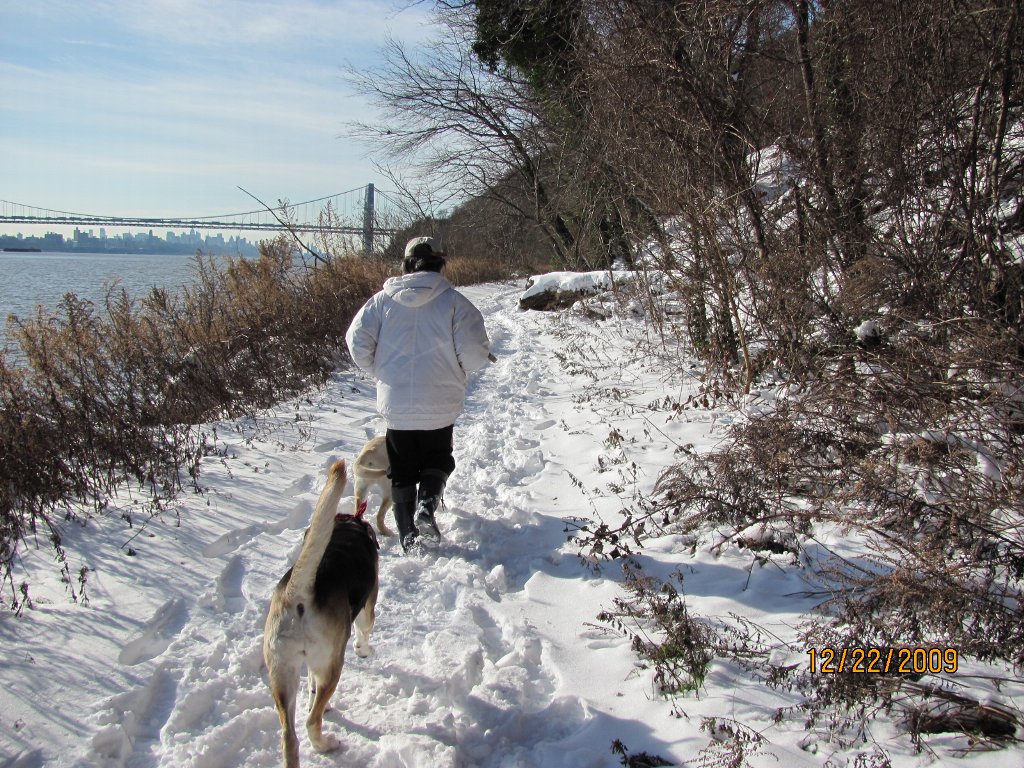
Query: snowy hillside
[{"x": 488, "y": 652}]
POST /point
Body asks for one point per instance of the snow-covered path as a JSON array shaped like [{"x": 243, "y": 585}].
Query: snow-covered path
[{"x": 483, "y": 652}]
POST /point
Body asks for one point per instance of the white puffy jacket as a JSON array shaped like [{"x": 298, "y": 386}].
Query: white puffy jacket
[{"x": 420, "y": 339}]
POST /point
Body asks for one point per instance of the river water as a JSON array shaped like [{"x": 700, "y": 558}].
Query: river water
[
  {"x": 28, "y": 280},
  {"x": 31, "y": 279}
]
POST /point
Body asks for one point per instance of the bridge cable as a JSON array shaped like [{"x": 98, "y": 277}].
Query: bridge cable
[{"x": 287, "y": 226}]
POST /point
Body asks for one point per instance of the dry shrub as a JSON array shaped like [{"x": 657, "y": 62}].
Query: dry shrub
[
  {"x": 462, "y": 270},
  {"x": 912, "y": 447},
  {"x": 662, "y": 632},
  {"x": 108, "y": 400},
  {"x": 897, "y": 200}
]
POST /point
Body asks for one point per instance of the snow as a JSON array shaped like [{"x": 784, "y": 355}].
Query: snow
[
  {"x": 867, "y": 331},
  {"x": 487, "y": 650},
  {"x": 576, "y": 282}
]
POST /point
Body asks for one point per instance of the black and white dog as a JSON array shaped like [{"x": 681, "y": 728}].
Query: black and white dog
[{"x": 332, "y": 586}]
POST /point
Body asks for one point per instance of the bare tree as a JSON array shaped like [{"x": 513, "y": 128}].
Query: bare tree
[{"x": 465, "y": 129}]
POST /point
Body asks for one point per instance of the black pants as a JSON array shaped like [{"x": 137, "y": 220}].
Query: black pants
[{"x": 413, "y": 453}]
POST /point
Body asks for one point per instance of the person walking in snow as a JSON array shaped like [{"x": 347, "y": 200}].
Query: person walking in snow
[{"x": 419, "y": 339}]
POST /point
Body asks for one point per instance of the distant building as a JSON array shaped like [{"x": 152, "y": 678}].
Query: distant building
[{"x": 133, "y": 242}]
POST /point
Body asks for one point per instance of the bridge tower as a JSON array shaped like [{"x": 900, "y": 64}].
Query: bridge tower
[{"x": 368, "y": 219}]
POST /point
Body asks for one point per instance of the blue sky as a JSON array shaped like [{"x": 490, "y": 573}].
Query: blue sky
[{"x": 166, "y": 107}]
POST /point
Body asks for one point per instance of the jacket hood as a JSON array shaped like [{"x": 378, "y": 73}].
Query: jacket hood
[{"x": 417, "y": 288}]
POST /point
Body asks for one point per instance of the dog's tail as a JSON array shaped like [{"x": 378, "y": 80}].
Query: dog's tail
[{"x": 319, "y": 534}]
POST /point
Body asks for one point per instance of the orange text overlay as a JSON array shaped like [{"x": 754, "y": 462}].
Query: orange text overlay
[{"x": 883, "y": 661}]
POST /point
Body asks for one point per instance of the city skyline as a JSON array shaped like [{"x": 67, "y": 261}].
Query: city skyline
[
  {"x": 86, "y": 241},
  {"x": 168, "y": 108}
]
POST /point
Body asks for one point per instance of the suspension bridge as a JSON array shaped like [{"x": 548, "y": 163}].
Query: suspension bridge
[{"x": 364, "y": 211}]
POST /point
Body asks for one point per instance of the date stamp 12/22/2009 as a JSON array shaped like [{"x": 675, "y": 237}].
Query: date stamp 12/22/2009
[{"x": 883, "y": 661}]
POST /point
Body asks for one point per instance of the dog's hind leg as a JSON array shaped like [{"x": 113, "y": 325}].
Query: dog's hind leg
[
  {"x": 325, "y": 686},
  {"x": 284, "y": 688},
  {"x": 364, "y": 625},
  {"x": 312, "y": 695},
  {"x": 385, "y": 505}
]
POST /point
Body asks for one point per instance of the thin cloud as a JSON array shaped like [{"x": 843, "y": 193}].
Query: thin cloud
[
  {"x": 121, "y": 106},
  {"x": 278, "y": 24}
]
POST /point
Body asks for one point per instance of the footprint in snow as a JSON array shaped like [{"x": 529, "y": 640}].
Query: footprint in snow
[
  {"x": 600, "y": 639},
  {"x": 364, "y": 420},
  {"x": 227, "y": 594},
  {"x": 330, "y": 446},
  {"x": 298, "y": 516},
  {"x": 232, "y": 540},
  {"x": 131, "y": 722},
  {"x": 300, "y": 485},
  {"x": 158, "y": 634},
  {"x": 196, "y": 707}
]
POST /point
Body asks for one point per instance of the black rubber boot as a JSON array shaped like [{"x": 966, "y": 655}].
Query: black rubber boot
[
  {"x": 431, "y": 493},
  {"x": 404, "y": 500}
]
